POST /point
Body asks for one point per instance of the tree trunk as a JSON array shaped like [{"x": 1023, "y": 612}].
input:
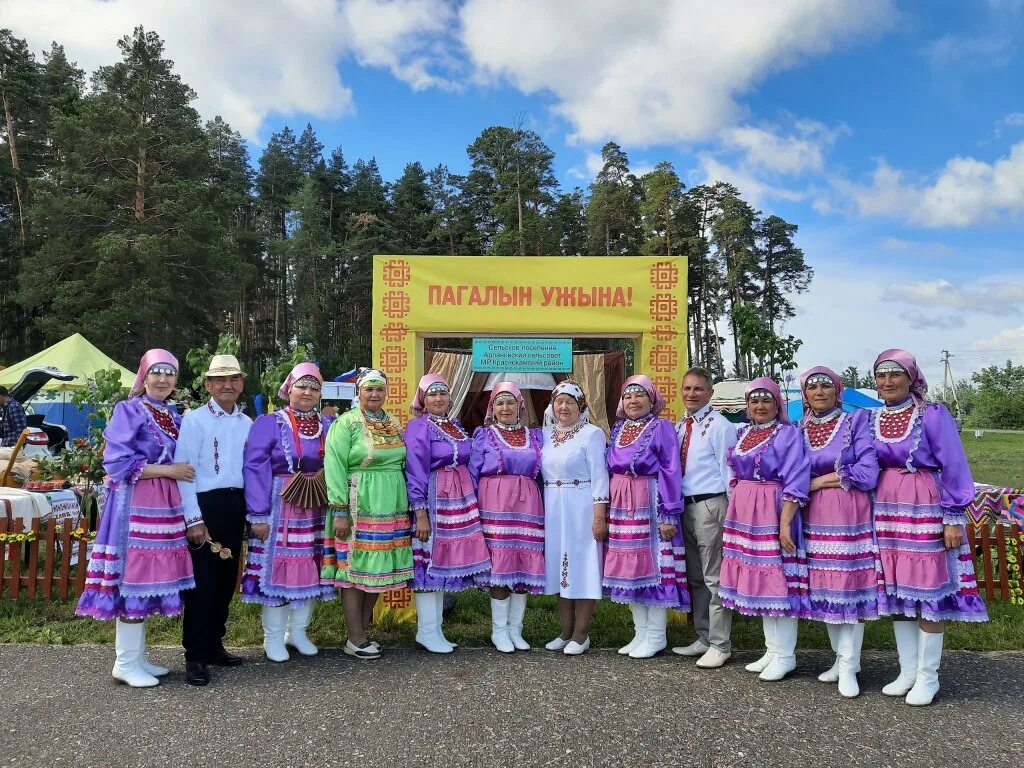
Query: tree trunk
[
  {"x": 11, "y": 142},
  {"x": 140, "y": 185}
]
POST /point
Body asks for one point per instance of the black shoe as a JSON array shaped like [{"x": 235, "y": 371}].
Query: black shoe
[
  {"x": 365, "y": 651},
  {"x": 222, "y": 658},
  {"x": 196, "y": 673}
]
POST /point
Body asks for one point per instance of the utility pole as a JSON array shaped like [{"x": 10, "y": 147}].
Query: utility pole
[{"x": 949, "y": 383}]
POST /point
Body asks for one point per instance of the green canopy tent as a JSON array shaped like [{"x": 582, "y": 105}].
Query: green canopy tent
[{"x": 75, "y": 354}]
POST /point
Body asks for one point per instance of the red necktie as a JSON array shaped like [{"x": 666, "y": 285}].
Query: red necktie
[{"x": 687, "y": 431}]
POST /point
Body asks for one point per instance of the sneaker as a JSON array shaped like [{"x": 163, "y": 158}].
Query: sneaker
[
  {"x": 365, "y": 651},
  {"x": 698, "y": 648},
  {"x": 575, "y": 649},
  {"x": 713, "y": 659},
  {"x": 557, "y": 644}
]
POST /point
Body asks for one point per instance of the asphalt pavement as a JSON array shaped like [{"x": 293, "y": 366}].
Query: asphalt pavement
[{"x": 481, "y": 708}]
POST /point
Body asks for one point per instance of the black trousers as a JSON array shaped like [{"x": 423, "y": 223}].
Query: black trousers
[{"x": 206, "y": 607}]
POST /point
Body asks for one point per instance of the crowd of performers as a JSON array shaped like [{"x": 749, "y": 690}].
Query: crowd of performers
[{"x": 843, "y": 518}]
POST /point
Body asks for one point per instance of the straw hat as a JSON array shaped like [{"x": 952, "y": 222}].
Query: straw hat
[{"x": 223, "y": 365}]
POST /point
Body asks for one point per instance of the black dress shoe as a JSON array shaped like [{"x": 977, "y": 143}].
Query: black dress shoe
[
  {"x": 196, "y": 673},
  {"x": 222, "y": 658}
]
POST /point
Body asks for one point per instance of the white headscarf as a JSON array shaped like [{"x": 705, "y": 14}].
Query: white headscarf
[{"x": 567, "y": 387}]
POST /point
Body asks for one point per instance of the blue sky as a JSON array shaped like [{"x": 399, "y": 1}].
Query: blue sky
[{"x": 891, "y": 132}]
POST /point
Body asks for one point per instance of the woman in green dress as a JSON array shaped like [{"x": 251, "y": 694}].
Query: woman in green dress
[{"x": 367, "y": 546}]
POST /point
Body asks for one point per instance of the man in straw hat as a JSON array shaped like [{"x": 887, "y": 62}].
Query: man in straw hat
[{"x": 211, "y": 439}]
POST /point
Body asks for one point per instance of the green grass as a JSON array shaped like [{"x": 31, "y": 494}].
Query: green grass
[
  {"x": 997, "y": 458},
  {"x": 39, "y": 621}
]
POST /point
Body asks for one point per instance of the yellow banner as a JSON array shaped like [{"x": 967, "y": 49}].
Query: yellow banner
[{"x": 627, "y": 296}]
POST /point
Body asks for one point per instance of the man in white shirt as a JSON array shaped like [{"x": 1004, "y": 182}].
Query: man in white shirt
[
  {"x": 212, "y": 439},
  {"x": 705, "y": 437}
]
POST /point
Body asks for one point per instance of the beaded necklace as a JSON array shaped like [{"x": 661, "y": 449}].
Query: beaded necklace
[
  {"x": 512, "y": 435},
  {"x": 894, "y": 423},
  {"x": 498, "y": 438},
  {"x": 162, "y": 416},
  {"x": 631, "y": 430},
  {"x": 383, "y": 430},
  {"x": 755, "y": 435},
  {"x": 642, "y": 439},
  {"x": 303, "y": 428},
  {"x": 562, "y": 434},
  {"x": 449, "y": 426},
  {"x": 820, "y": 430},
  {"x": 451, "y": 431}
]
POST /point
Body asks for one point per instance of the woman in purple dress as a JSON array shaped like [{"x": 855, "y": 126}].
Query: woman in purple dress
[
  {"x": 843, "y": 568},
  {"x": 923, "y": 489},
  {"x": 645, "y": 561},
  {"x": 140, "y": 563},
  {"x": 764, "y": 565},
  {"x": 505, "y": 465},
  {"x": 448, "y": 547},
  {"x": 286, "y": 498}
]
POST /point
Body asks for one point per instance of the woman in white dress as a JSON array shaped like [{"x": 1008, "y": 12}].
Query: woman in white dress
[{"x": 575, "y": 513}]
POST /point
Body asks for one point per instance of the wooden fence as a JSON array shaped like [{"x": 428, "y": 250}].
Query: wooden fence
[{"x": 41, "y": 566}]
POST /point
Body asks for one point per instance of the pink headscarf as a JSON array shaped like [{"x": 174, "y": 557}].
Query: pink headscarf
[
  {"x": 300, "y": 370},
  {"x": 918, "y": 385},
  {"x": 766, "y": 383},
  {"x": 837, "y": 382},
  {"x": 657, "y": 399},
  {"x": 416, "y": 406},
  {"x": 151, "y": 358},
  {"x": 505, "y": 386}
]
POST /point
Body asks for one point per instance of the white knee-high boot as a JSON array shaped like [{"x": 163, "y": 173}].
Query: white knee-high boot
[
  {"x": 654, "y": 642},
  {"x": 849, "y": 659},
  {"x": 499, "y": 625},
  {"x": 428, "y": 633},
  {"x": 439, "y": 605},
  {"x": 516, "y": 615},
  {"x": 768, "y": 626},
  {"x": 906, "y": 633},
  {"x": 298, "y": 620},
  {"x": 785, "y": 659},
  {"x": 831, "y": 674},
  {"x": 275, "y": 624},
  {"x": 639, "y": 628},
  {"x": 154, "y": 669},
  {"x": 929, "y": 655},
  {"x": 129, "y": 642}
]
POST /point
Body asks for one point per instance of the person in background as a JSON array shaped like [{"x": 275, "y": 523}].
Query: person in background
[
  {"x": 505, "y": 465},
  {"x": 286, "y": 498},
  {"x": 644, "y": 562},
  {"x": 842, "y": 556},
  {"x": 924, "y": 487},
  {"x": 448, "y": 548},
  {"x": 140, "y": 566},
  {"x": 705, "y": 439},
  {"x": 764, "y": 566},
  {"x": 575, "y": 513},
  {"x": 12, "y": 419},
  {"x": 212, "y": 440}
]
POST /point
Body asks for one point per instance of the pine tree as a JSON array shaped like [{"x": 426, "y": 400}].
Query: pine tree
[
  {"x": 136, "y": 250},
  {"x": 613, "y": 213}
]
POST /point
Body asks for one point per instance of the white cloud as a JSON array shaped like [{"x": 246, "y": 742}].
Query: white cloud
[
  {"x": 753, "y": 189},
  {"x": 997, "y": 297},
  {"x": 1005, "y": 340},
  {"x": 975, "y": 53},
  {"x": 654, "y": 72},
  {"x": 270, "y": 56},
  {"x": 848, "y": 317},
  {"x": 797, "y": 152},
  {"x": 966, "y": 192},
  {"x": 916, "y": 247}
]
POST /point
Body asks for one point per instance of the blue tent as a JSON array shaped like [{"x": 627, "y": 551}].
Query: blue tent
[{"x": 853, "y": 400}]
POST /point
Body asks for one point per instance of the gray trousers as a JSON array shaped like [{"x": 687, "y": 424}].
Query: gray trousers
[{"x": 702, "y": 531}]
